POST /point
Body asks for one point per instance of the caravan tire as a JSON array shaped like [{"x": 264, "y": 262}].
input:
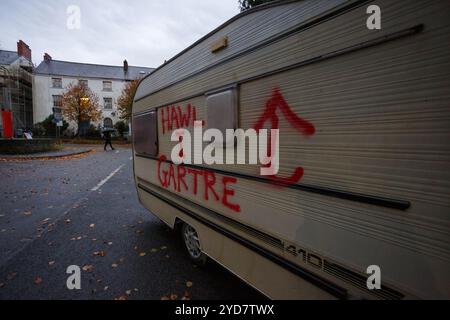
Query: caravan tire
[{"x": 192, "y": 244}]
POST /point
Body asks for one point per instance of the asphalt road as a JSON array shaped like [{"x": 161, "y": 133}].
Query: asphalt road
[{"x": 54, "y": 214}]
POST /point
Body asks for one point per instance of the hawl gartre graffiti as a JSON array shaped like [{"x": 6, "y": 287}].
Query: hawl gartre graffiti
[{"x": 230, "y": 147}]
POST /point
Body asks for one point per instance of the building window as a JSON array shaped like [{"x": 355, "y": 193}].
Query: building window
[
  {"x": 83, "y": 83},
  {"x": 57, "y": 83},
  {"x": 108, "y": 104},
  {"x": 57, "y": 101},
  {"x": 107, "y": 86},
  {"x": 107, "y": 123}
]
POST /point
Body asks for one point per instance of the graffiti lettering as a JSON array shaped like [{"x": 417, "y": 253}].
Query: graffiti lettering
[
  {"x": 304, "y": 127},
  {"x": 174, "y": 177},
  {"x": 174, "y": 117}
]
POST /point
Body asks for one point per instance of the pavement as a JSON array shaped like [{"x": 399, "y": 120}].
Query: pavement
[
  {"x": 55, "y": 214},
  {"x": 68, "y": 150}
]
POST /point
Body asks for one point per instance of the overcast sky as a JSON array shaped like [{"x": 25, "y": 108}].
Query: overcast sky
[{"x": 144, "y": 32}]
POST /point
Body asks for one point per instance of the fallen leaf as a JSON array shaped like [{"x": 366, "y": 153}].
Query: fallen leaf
[
  {"x": 154, "y": 250},
  {"x": 88, "y": 268},
  {"x": 38, "y": 280},
  {"x": 100, "y": 254},
  {"x": 189, "y": 284},
  {"x": 79, "y": 238},
  {"x": 128, "y": 292},
  {"x": 27, "y": 213},
  {"x": 11, "y": 276},
  {"x": 142, "y": 254},
  {"x": 110, "y": 243},
  {"x": 2, "y": 285},
  {"x": 105, "y": 288},
  {"x": 163, "y": 248},
  {"x": 135, "y": 248},
  {"x": 121, "y": 260},
  {"x": 121, "y": 298},
  {"x": 51, "y": 263},
  {"x": 68, "y": 221},
  {"x": 92, "y": 226},
  {"x": 136, "y": 289},
  {"x": 140, "y": 232},
  {"x": 173, "y": 297},
  {"x": 114, "y": 265},
  {"x": 93, "y": 239},
  {"x": 165, "y": 298}
]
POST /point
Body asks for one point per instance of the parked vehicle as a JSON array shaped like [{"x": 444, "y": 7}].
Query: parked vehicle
[{"x": 365, "y": 189}]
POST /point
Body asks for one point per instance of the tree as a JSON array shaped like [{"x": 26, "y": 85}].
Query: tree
[
  {"x": 80, "y": 104},
  {"x": 248, "y": 4},
  {"x": 125, "y": 101},
  {"x": 48, "y": 127},
  {"x": 121, "y": 127}
]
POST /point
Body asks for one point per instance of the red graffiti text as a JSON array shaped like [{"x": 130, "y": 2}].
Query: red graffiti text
[
  {"x": 173, "y": 117},
  {"x": 305, "y": 128},
  {"x": 174, "y": 177}
]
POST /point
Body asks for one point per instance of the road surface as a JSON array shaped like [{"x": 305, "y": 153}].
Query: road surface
[{"x": 85, "y": 212}]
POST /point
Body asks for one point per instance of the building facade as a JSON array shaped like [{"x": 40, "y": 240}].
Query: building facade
[
  {"x": 52, "y": 77},
  {"x": 16, "y": 94}
]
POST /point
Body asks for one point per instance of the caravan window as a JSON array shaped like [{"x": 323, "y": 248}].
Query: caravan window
[
  {"x": 221, "y": 111},
  {"x": 145, "y": 134}
]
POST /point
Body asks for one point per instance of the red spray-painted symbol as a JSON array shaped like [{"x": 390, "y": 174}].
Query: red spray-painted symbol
[{"x": 304, "y": 127}]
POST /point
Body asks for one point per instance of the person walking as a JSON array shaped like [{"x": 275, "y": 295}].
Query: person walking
[{"x": 108, "y": 141}]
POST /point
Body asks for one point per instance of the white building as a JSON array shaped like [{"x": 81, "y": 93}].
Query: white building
[{"x": 51, "y": 78}]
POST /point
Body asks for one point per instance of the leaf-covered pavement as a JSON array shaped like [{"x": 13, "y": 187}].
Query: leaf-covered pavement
[{"x": 50, "y": 219}]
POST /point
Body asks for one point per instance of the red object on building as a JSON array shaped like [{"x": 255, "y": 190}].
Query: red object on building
[
  {"x": 7, "y": 124},
  {"x": 23, "y": 50}
]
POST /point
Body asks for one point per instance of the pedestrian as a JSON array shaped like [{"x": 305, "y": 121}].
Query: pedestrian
[{"x": 107, "y": 137}]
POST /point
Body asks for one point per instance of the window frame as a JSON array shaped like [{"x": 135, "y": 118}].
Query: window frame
[
  {"x": 84, "y": 83},
  {"x": 104, "y": 103},
  {"x": 53, "y": 83},
  {"x": 110, "y": 86},
  {"x": 145, "y": 142},
  {"x": 108, "y": 119},
  {"x": 54, "y": 101}
]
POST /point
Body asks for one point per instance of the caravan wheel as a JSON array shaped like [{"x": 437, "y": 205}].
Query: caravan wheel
[{"x": 192, "y": 244}]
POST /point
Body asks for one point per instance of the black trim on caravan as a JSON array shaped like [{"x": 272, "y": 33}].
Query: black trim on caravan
[{"x": 341, "y": 194}]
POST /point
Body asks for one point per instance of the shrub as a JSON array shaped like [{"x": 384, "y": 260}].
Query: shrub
[
  {"x": 49, "y": 126},
  {"x": 121, "y": 127},
  {"x": 93, "y": 132}
]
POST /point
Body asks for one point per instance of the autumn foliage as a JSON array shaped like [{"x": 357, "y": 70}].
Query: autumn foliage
[
  {"x": 80, "y": 104},
  {"x": 125, "y": 101}
]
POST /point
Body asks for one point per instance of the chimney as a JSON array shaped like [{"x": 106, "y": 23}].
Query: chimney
[
  {"x": 23, "y": 50},
  {"x": 47, "y": 57},
  {"x": 125, "y": 66}
]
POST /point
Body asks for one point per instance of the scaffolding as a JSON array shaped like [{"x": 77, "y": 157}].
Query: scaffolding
[{"x": 16, "y": 94}]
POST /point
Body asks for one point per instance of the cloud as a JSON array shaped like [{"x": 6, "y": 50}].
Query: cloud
[{"x": 144, "y": 32}]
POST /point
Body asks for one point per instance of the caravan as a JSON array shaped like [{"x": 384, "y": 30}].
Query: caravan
[{"x": 360, "y": 207}]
